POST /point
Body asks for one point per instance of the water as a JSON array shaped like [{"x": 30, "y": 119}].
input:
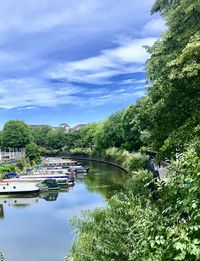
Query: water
[{"x": 36, "y": 227}]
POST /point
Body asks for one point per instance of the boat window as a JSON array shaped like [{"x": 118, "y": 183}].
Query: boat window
[{"x": 14, "y": 187}]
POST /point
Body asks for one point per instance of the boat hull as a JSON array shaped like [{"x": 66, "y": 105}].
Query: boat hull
[{"x": 18, "y": 187}]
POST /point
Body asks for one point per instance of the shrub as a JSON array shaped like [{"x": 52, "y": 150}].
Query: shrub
[
  {"x": 133, "y": 228},
  {"x": 5, "y": 168},
  {"x": 86, "y": 151},
  {"x": 129, "y": 161}
]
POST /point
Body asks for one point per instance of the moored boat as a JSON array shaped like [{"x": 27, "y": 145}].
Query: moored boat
[
  {"x": 33, "y": 178},
  {"x": 48, "y": 184},
  {"x": 79, "y": 169},
  {"x": 18, "y": 187}
]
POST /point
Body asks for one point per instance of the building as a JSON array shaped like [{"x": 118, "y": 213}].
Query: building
[
  {"x": 77, "y": 127},
  {"x": 38, "y": 126},
  {"x": 64, "y": 126}
]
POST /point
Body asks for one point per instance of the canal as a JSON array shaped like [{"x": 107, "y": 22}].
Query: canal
[{"x": 36, "y": 227}]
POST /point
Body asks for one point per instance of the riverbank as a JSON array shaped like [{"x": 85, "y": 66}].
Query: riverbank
[
  {"x": 118, "y": 157},
  {"x": 136, "y": 227}
]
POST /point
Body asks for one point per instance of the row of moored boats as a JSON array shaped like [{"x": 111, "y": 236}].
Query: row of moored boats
[{"x": 51, "y": 174}]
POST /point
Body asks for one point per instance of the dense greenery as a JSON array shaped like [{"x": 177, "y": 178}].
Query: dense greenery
[
  {"x": 33, "y": 153},
  {"x": 134, "y": 228},
  {"x": 15, "y": 134},
  {"x": 174, "y": 69},
  {"x": 40, "y": 135},
  {"x": 6, "y": 168}
]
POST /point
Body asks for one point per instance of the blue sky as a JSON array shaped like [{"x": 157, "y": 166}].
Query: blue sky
[{"x": 72, "y": 61}]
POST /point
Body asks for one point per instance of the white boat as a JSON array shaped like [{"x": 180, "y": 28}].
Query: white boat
[
  {"x": 79, "y": 169},
  {"x": 17, "y": 187},
  {"x": 60, "y": 178}
]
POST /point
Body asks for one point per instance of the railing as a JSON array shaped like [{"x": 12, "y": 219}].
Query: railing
[{"x": 11, "y": 155}]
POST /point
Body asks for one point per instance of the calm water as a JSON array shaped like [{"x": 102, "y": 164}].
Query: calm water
[{"x": 36, "y": 228}]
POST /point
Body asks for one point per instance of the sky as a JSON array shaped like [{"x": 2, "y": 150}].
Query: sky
[{"x": 73, "y": 61}]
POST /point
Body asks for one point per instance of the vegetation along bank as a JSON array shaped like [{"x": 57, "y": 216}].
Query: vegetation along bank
[{"x": 149, "y": 220}]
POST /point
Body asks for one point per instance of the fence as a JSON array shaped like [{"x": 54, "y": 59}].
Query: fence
[{"x": 9, "y": 155}]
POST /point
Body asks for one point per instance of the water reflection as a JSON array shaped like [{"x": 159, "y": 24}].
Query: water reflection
[
  {"x": 36, "y": 227},
  {"x": 1, "y": 211},
  {"x": 104, "y": 179}
]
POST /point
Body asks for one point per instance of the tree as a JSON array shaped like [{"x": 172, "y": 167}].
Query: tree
[
  {"x": 33, "y": 153},
  {"x": 56, "y": 139},
  {"x": 109, "y": 132},
  {"x": 16, "y": 134},
  {"x": 135, "y": 124},
  {"x": 73, "y": 139},
  {"x": 40, "y": 135},
  {"x": 0, "y": 138},
  {"x": 174, "y": 69},
  {"x": 87, "y": 134}
]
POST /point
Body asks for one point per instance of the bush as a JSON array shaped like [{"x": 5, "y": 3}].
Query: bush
[
  {"x": 86, "y": 151},
  {"x": 21, "y": 164},
  {"x": 48, "y": 152},
  {"x": 135, "y": 228},
  {"x": 5, "y": 168},
  {"x": 129, "y": 161}
]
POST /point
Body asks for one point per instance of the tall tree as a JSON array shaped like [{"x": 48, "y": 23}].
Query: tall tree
[
  {"x": 40, "y": 135},
  {"x": 87, "y": 134},
  {"x": 16, "y": 134},
  {"x": 33, "y": 153},
  {"x": 56, "y": 138},
  {"x": 109, "y": 132},
  {"x": 174, "y": 69},
  {"x": 136, "y": 121}
]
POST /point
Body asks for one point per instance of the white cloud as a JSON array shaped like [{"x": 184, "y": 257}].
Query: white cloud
[
  {"x": 90, "y": 15},
  {"x": 155, "y": 27},
  {"x": 133, "y": 81},
  {"x": 127, "y": 58},
  {"x": 85, "y": 41},
  {"x": 32, "y": 92},
  {"x": 124, "y": 95}
]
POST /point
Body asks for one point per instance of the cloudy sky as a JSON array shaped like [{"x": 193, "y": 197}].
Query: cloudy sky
[{"x": 72, "y": 61}]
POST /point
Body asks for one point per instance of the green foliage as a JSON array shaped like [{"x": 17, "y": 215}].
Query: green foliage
[
  {"x": 33, "y": 153},
  {"x": 72, "y": 140},
  {"x": 40, "y": 135},
  {"x": 129, "y": 161},
  {"x": 109, "y": 132},
  {"x": 87, "y": 134},
  {"x": 5, "y": 168},
  {"x": 48, "y": 152},
  {"x": 56, "y": 138},
  {"x": 135, "y": 121},
  {"x": 85, "y": 151},
  {"x": 134, "y": 228},
  {"x": 21, "y": 165},
  {"x": 15, "y": 134},
  {"x": 0, "y": 139},
  {"x": 174, "y": 69}
]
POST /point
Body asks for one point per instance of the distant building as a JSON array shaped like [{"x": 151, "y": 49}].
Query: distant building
[
  {"x": 38, "y": 126},
  {"x": 64, "y": 126},
  {"x": 77, "y": 127}
]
